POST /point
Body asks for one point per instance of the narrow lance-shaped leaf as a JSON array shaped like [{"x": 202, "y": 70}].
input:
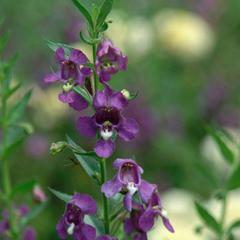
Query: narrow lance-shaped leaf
[
  {"x": 88, "y": 163},
  {"x": 33, "y": 214},
  {"x": 207, "y": 218},
  {"x": 220, "y": 139},
  {"x": 18, "y": 109},
  {"x": 104, "y": 11},
  {"x": 62, "y": 196},
  {"x": 84, "y": 12},
  {"x": 3, "y": 41},
  {"x": 23, "y": 188},
  {"x": 55, "y": 45},
  {"x": 84, "y": 93},
  {"x": 234, "y": 179},
  {"x": 234, "y": 225}
]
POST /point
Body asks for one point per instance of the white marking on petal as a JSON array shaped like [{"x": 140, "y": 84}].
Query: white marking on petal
[
  {"x": 106, "y": 134},
  {"x": 164, "y": 213},
  {"x": 70, "y": 229},
  {"x": 131, "y": 188}
]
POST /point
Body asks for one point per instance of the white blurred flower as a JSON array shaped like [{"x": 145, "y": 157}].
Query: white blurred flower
[{"x": 184, "y": 34}]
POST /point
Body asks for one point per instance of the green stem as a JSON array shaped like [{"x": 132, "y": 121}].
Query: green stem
[
  {"x": 223, "y": 217},
  {"x": 104, "y": 199},
  {"x": 95, "y": 83}
]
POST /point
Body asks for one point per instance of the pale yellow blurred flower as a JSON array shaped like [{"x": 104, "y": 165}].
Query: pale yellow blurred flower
[
  {"x": 184, "y": 33},
  {"x": 48, "y": 110}
]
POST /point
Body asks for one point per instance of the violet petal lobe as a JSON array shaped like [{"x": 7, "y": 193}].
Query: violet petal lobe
[
  {"x": 167, "y": 224},
  {"x": 29, "y": 234},
  {"x": 66, "y": 97},
  {"x": 146, "y": 220},
  {"x": 104, "y": 148},
  {"x": 128, "y": 129},
  {"x": 52, "y": 77},
  {"x": 86, "y": 126},
  {"x": 100, "y": 99},
  {"x": 111, "y": 187},
  {"x": 61, "y": 230},
  {"x": 128, "y": 226},
  {"x": 85, "y": 202},
  {"x": 118, "y": 101},
  {"x": 88, "y": 232},
  {"x": 78, "y": 103},
  {"x": 60, "y": 55},
  {"x": 140, "y": 236},
  {"x": 146, "y": 190},
  {"x": 78, "y": 57},
  {"x": 127, "y": 202}
]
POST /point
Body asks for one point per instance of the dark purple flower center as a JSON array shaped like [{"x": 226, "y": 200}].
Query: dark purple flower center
[
  {"x": 107, "y": 115},
  {"x": 74, "y": 214},
  {"x": 69, "y": 70},
  {"x": 129, "y": 173}
]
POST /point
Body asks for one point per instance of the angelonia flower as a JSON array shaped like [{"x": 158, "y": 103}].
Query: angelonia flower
[
  {"x": 72, "y": 222},
  {"x": 128, "y": 181},
  {"x": 107, "y": 121},
  {"x": 21, "y": 211},
  {"x": 109, "y": 60},
  {"x": 73, "y": 72}
]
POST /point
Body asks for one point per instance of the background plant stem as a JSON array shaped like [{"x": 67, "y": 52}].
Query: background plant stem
[
  {"x": 105, "y": 200},
  {"x": 223, "y": 216}
]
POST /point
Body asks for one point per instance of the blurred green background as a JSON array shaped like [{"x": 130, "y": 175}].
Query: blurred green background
[{"x": 184, "y": 63}]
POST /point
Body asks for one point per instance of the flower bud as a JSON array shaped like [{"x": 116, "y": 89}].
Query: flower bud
[
  {"x": 57, "y": 147},
  {"x": 38, "y": 194},
  {"x": 126, "y": 93}
]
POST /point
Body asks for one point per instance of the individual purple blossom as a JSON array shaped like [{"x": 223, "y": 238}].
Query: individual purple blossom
[
  {"x": 72, "y": 221},
  {"x": 109, "y": 60},
  {"x": 29, "y": 234},
  {"x": 154, "y": 210},
  {"x": 107, "y": 121},
  {"x": 128, "y": 181},
  {"x": 73, "y": 71}
]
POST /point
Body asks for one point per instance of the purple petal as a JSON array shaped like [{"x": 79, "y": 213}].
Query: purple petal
[
  {"x": 140, "y": 236},
  {"x": 78, "y": 57},
  {"x": 104, "y": 77},
  {"x": 59, "y": 55},
  {"x": 128, "y": 129},
  {"x": 4, "y": 226},
  {"x": 118, "y": 101},
  {"x": 100, "y": 99},
  {"x": 66, "y": 97},
  {"x": 29, "y": 234},
  {"x": 128, "y": 226},
  {"x": 85, "y": 202},
  {"x": 111, "y": 187},
  {"x": 127, "y": 202},
  {"x": 123, "y": 61},
  {"x": 167, "y": 224},
  {"x": 104, "y": 148},
  {"x": 52, "y": 77},
  {"x": 120, "y": 161},
  {"x": 146, "y": 221},
  {"x": 86, "y": 126},
  {"x": 88, "y": 232},
  {"x": 146, "y": 190},
  {"x": 61, "y": 229},
  {"x": 78, "y": 103}
]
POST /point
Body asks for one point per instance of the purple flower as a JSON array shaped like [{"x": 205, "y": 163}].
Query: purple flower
[
  {"x": 132, "y": 226},
  {"x": 108, "y": 120},
  {"x": 154, "y": 210},
  {"x": 39, "y": 195},
  {"x": 73, "y": 71},
  {"x": 109, "y": 60},
  {"x": 28, "y": 233},
  {"x": 106, "y": 237},
  {"x": 72, "y": 222},
  {"x": 128, "y": 181}
]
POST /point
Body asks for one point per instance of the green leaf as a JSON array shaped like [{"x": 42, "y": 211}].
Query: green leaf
[
  {"x": 23, "y": 188},
  {"x": 86, "y": 39},
  {"x": 62, "y": 196},
  {"x": 234, "y": 225},
  {"x": 12, "y": 90},
  {"x": 88, "y": 163},
  {"x": 234, "y": 179},
  {"x": 55, "y": 45},
  {"x": 84, "y": 12},
  {"x": 18, "y": 109},
  {"x": 221, "y": 141},
  {"x": 3, "y": 41},
  {"x": 207, "y": 218},
  {"x": 84, "y": 93},
  {"x": 94, "y": 221},
  {"x": 33, "y": 214},
  {"x": 104, "y": 11}
]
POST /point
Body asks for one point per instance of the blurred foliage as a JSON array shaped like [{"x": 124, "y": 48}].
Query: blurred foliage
[{"x": 176, "y": 99}]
